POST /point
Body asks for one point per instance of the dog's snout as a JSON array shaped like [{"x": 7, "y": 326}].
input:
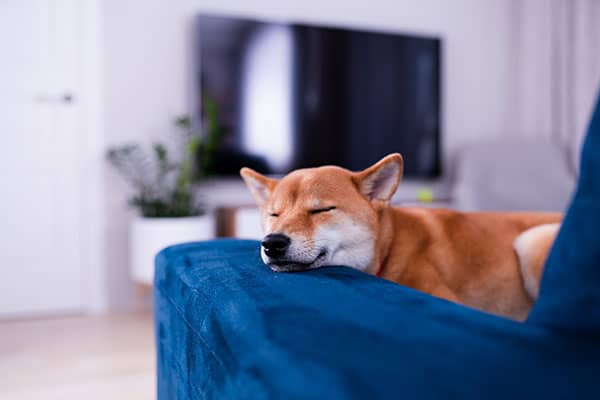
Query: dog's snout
[{"x": 276, "y": 244}]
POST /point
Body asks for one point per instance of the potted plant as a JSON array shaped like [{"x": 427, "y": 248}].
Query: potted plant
[{"x": 169, "y": 212}]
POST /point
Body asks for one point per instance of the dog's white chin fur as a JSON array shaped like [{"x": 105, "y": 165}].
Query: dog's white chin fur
[
  {"x": 346, "y": 243},
  {"x": 294, "y": 263},
  {"x": 351, "y": 245},
  {"x": 293, "y": 267}
]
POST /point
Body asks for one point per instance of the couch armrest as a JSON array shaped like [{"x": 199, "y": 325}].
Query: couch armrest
[{"x": 227, "y": 327}]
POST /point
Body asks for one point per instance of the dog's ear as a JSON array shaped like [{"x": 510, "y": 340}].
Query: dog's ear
[
  {"x": 380, "y": 181},
  {"x": 260, "y": 186}
]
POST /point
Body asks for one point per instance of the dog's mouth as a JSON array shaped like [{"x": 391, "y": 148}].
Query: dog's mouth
[{"x": 287, "y": 265}]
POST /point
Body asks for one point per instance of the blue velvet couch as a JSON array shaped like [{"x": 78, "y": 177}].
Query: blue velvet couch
[{"x": 229, "y": 328}]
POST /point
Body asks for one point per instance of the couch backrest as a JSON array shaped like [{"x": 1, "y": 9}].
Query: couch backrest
[{"x": 570, "y": 290}]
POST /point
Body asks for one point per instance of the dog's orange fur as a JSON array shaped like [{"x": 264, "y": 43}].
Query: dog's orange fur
[{"x": 463, "y": 257}]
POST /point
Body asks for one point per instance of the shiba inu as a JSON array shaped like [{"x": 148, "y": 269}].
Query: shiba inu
[{"x": 332, "y": 216}]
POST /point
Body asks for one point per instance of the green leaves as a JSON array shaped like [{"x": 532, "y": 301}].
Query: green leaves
[
  {"x": 163, "y": 186},
  {"x": 213, "y": 135},
  {"x": 162, "y": 182}
]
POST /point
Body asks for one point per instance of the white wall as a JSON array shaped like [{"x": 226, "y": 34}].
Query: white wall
[{"x": 146, "y": 74}]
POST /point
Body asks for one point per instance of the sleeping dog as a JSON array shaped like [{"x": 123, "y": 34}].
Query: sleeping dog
[{"x": 331, "y": 216}]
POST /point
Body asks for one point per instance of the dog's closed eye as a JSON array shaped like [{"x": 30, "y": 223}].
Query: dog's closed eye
[{"x": 322, "y": 210}]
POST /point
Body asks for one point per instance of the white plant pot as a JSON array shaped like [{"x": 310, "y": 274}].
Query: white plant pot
[{"x": 148, "y": 236}]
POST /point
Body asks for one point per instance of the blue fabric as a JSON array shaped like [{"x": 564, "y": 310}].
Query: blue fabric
[
  {"x": 570, "y": 291},
  {"x": 229, "y": 328}
]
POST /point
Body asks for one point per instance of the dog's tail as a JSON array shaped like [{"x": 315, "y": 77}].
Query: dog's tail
[{"x": 532, "y": 248}]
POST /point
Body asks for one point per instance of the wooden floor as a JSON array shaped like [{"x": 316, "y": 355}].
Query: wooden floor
[{"x": 103, "y": 357}]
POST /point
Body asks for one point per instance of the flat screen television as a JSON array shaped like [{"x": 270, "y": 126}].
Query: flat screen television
[{"x": 280, "y": 96}]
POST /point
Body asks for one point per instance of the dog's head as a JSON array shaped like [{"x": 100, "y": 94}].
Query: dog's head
[{"x": 323, "y": 216}]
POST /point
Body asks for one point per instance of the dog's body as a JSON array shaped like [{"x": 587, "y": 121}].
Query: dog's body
[
  {"x": 332, "y": 216},
  {"x": 463, "y": 257}
]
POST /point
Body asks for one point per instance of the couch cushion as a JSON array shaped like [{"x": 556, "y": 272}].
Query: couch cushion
[
  {"x": 229, "y": 328},
  {"x": 570, "y": 290}
]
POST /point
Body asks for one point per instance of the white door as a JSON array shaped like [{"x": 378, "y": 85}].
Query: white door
[{"x": 40, "y": 269}]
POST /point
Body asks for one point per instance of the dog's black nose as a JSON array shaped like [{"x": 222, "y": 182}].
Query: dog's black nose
[{"x": 276, "y": 244}]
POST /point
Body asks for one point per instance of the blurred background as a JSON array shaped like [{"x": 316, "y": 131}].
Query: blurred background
[{"x": 125, "y": 123}]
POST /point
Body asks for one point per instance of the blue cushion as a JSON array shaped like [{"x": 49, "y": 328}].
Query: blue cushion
[
  {"x": 229, "y": 328},
  {"x": 570, "y": 291}
]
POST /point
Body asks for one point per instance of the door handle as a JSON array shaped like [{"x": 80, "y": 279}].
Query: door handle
[{"x": 44, "y": 98}]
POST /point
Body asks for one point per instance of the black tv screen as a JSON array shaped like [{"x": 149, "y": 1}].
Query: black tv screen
[{"x": 281, "y": 96}]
